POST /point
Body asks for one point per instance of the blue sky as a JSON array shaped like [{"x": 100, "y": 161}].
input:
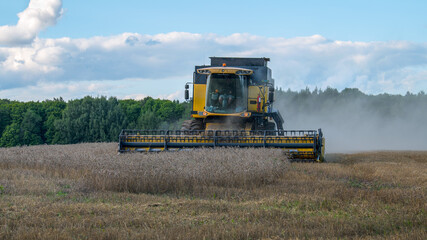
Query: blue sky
[
  {"x": 75, "y": 48},
  {"x": 342, "y": 20}
]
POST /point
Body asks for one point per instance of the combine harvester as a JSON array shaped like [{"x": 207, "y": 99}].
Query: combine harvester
[{"x": 232, "y": 107}]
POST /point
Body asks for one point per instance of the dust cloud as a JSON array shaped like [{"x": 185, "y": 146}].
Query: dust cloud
[{"x": 352, "y": 121}]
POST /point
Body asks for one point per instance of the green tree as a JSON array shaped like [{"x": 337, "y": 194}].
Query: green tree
[
  {"x": 132, "y": 109},
  {"x": 91, "y": 120},
  {"x": 17, "y": 111},
  {"x": 31, "y": 128},
  {"x": 148, "y": 121},
  {"x": 5, "y": 118},
  {"x": 53, "y": 110},
  {"x": 11, "y": 136}
]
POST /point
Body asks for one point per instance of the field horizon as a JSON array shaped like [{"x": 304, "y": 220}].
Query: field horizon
[{"x": 88, "y": 191}]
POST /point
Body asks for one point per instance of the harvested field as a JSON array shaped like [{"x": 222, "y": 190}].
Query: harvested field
[{"x": 87, "y": 191}]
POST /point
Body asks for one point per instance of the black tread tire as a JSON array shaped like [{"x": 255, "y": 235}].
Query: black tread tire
[
  {"x": 196, "y": 124},
  {"x": 186, "y": 125},
  {"x": 191, "y": 125}
]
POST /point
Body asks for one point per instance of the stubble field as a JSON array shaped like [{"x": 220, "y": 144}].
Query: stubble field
[{"x": 87, "y": 191}]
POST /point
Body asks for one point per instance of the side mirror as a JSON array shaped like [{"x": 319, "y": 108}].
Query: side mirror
[{"x": 187, "y": 93}]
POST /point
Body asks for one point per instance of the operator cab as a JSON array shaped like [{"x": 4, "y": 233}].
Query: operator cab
[
  {"x": 226, "y": 93},
  {"x": 226, "y": 90}
]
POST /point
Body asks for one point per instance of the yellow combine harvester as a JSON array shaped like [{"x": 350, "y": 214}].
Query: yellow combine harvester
[{"x": 232, "y": 107}]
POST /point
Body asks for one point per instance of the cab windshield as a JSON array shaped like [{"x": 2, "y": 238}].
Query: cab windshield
[{"x": 226, "y": 93}]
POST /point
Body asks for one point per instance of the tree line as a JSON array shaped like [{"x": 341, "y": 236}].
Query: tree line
[
  {"x": 90, "y": 119},
  {"x": 350, "y": 102},
  {"x": 100, "y": 119}
]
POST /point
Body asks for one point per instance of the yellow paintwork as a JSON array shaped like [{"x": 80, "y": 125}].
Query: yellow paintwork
[
  {"x": 209, "y": 114},
  {"x": 322, "y": 154},
  {"x": 199, "y": 96},
  {"x": 204, "y": 137},
  {"x": 253, "y": 92}
]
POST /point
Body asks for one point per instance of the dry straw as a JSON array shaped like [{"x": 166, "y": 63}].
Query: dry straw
[{"x": 183, "y": 172}]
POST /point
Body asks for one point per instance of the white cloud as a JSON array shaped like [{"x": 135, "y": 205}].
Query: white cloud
[
  {"x": 178, "y": 95},
  {"x": 373, "y": 67},
  {"x": 135, "y": 96},
  {"x": 39, "y": 15},
  {"x": 132, "y": 64},
  {"x": 172, "y": 96},
  {"x": 135, "y": 88}
]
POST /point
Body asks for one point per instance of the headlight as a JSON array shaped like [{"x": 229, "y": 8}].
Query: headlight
[
  {"x": 203, "y": 71},
  {"x": 245, "y": 114},
  {"x": 243, "y": 72}
]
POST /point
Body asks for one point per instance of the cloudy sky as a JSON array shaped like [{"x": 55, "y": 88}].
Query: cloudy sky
[{"x": 133, "y": 49}]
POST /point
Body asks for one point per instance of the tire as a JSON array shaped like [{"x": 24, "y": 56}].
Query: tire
[
  {"x": 191, "y": 125},
  {"x": 186, "y": 125},
  {"x": 196, "y": 124}
]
